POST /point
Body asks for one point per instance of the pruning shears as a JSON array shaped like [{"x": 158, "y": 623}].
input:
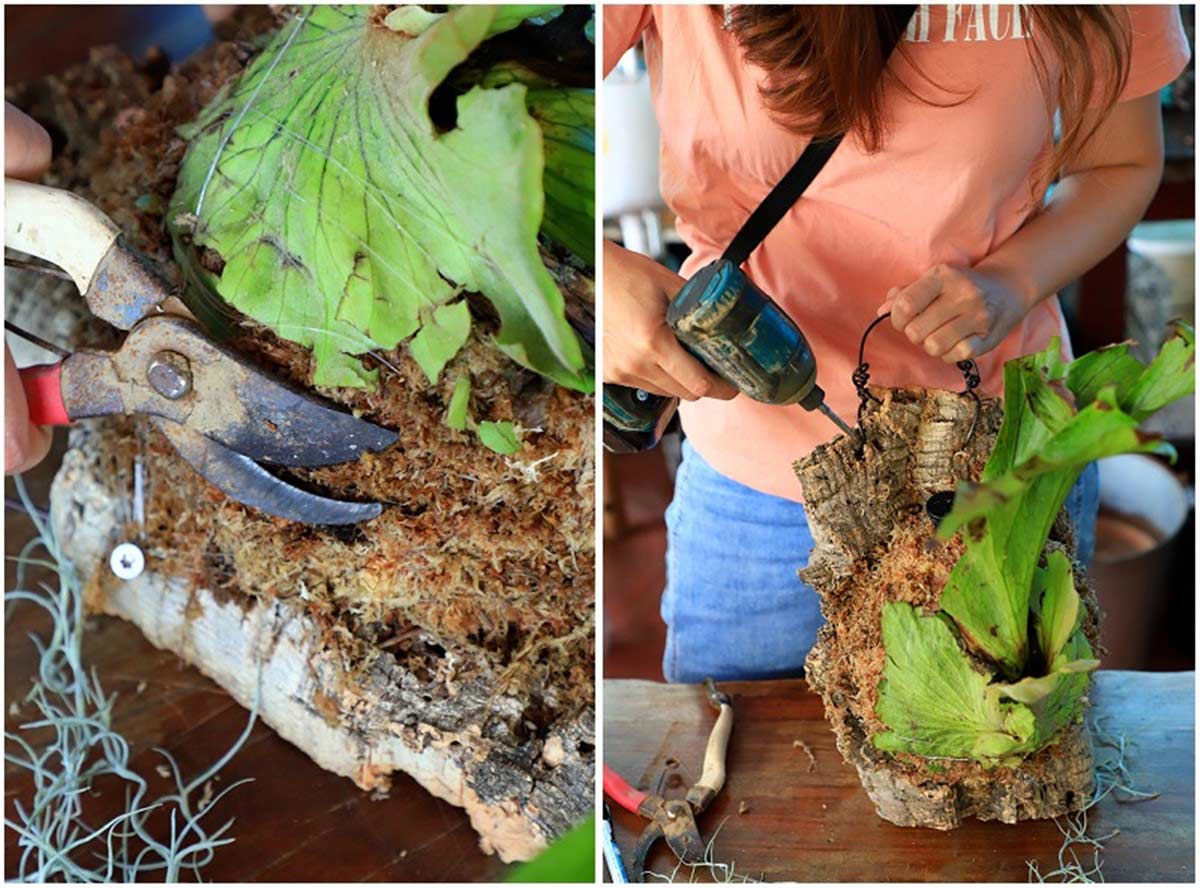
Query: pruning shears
[
  {"x": 674, "y": 820},
  {"x": 221, "y": 414}
]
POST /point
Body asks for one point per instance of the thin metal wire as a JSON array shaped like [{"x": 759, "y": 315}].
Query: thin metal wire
[
  {"x": 242, "y": 113},
  {"x": 36, "y": 267},
  {"x": 862, "y": 376},
  {"x": 36, "y": 340},
  {"x": 971, "y": 375}
]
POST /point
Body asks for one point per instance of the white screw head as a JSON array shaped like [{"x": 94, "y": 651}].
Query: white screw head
[{"x": 127, "y": 561}]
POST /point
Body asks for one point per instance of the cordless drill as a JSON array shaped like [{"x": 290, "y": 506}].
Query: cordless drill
[
  {"x": 738, "y": 332},
  {"x": 730, "y": 325}
]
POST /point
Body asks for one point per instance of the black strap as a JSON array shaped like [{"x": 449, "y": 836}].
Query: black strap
[{"x": 811, "y": 161}]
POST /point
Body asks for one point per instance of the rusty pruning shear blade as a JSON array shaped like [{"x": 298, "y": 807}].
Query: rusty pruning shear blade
[
  {"x": 221, "y": 414},
  {"x": 674, "y": 820}
]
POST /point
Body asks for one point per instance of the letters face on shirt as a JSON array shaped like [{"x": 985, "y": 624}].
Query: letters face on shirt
[{"x": 969, "y": 23}]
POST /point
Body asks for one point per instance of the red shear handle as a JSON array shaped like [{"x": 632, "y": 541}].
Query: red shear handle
[
  {"x": 43, "y": 394},
  {"x": 621, "y": 792}
]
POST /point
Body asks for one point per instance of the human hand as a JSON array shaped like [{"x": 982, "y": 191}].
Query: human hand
[
  {"x": 640, "y": 350},
  {"x": 959, "y": 313},
  {"x": 26, "y": 156}
]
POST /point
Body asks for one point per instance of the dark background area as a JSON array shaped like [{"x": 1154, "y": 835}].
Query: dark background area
[{"x": 41, "y": 40}]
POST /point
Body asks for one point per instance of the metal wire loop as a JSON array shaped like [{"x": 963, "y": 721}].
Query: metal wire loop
[
  {"x": 971, "y": 375},
  {"x": 862, "y": 376}
]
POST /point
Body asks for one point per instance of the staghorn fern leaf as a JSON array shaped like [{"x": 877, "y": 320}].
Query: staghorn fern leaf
[
  {"x": 1016, "y": 612},
  {"x": 344, "y": 221}
]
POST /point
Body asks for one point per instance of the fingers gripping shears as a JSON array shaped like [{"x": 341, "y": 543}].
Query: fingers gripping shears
[
  {"x": 674, "y": 820},
  {"x": 221, "y": 414}
]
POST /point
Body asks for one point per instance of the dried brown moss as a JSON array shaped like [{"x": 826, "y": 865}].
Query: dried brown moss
[
  {"x": 912, "y": 567},
  {"x": 113, "y": 121},
  {"x": 490, "y": 555}
]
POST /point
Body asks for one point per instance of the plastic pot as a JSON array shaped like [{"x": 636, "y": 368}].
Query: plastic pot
[{"x": 1143, "y": 506}]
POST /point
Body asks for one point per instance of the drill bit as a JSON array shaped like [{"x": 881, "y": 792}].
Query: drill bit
[{"x": 837, "y": 420}]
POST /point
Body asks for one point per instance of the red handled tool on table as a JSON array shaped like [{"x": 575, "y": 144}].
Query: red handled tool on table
[
  {"x": 222, "y": 415},
  {"x": 674, "y": 820}
]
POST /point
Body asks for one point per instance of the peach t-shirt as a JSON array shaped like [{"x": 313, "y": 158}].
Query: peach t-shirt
[{"x": 951, "y": 184}]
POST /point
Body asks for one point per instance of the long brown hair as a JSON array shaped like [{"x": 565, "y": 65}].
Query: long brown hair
[{"x": 825, "y": 67}]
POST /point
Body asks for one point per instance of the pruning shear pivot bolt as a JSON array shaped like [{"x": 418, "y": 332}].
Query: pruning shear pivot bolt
[{"x": 221, "y": 414}]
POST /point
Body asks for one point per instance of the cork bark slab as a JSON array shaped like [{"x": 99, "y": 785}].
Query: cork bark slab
[
  {"x": 355, "y": 711},
  {"x": 874, "y": 543}
]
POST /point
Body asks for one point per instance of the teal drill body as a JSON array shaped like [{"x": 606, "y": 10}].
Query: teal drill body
[{"x": 737, "y": 331}]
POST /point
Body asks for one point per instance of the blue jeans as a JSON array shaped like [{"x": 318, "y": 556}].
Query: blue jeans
[{"x": 733, "y": 605}]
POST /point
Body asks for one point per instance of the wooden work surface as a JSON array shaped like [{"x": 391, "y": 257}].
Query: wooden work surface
[
  {"x": 296, "y": 822},
  {"x": 820, "y": 826}
]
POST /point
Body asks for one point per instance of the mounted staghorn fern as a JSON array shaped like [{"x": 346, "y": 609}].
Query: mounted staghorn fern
[
  {"x": 1058, "y": 417},
  {"x": 320, "y": 198},
  {"x": 956, "y": 673}
]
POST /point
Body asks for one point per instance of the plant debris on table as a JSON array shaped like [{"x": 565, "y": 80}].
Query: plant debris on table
[{"x": 71, "y": 748}]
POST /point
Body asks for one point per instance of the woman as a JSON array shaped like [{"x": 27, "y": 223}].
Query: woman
[{"x": 933, "y": 208}]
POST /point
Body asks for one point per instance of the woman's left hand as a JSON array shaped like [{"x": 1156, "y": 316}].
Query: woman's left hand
[{"x": 959, "y": 313}]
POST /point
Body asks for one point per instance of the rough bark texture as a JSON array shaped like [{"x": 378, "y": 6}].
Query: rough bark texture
[
  {"x": 874, "y": 544},
  {"x": 356, "y": 709}
]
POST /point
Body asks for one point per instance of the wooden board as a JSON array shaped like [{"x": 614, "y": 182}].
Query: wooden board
[
  {"x": 296, "y": 822},
  {"x": 818, "y": 825}
]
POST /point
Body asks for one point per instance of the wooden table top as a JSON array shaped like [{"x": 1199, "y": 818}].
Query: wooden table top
[
  {"x": 296, "y": 822},
  {"x": 818, "y": 825}
]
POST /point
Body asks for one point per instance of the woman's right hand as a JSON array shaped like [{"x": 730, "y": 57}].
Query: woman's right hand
[{"x": 640, "y": 351}]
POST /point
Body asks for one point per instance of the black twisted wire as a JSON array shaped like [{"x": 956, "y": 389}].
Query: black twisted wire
[
  {"x": 862, "y": 376},
  {"x": 970, "y": 373},
  {"x": 862, "y": 373}
]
